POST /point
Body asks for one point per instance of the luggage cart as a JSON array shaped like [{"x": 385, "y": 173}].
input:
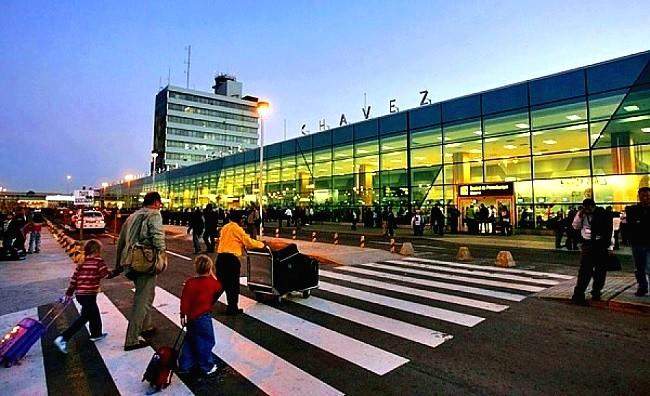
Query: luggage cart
[{"x": 275, "y": 274}]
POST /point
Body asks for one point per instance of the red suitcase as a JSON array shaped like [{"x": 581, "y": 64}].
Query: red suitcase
[
  {"x": 20, "y": 339},
  {"x": 162, "y": 365}
]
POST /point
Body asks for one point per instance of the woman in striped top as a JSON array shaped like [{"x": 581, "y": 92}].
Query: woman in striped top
[{"x": 85, "y": 282}]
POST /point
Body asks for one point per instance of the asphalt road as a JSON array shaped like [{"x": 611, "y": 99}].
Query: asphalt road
[{"x": 532, "y": 347}]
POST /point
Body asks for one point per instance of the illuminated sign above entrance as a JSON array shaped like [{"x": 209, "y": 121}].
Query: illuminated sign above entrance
[{"x": 486, "y": 190}]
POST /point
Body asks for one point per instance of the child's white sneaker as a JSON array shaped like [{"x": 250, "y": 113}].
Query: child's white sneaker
[
  {"x": 212, "y": 371},
  {"x": 99, "y": 337},
  {"x": 61, "y": 344}
]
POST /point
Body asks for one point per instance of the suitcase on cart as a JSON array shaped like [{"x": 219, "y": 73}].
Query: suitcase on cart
[
  {"x": 275, "y": 273},
  {"x": 20, "y": 339}
]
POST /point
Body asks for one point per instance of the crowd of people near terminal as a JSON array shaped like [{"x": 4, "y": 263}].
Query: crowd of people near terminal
[{"x": 16, "y": 229}]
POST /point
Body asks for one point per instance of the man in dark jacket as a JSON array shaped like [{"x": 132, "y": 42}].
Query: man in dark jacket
[
  {"x": 437, "y": 220},
  {"x": 453, "y": 214},
  {"x": 196, "y": 226},
  {"x": 596, "y": 229},
  {"x": 638, "y": 230},
  {"x": 210, "y": 218}
]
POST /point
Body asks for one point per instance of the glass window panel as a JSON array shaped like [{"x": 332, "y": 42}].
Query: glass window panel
[
  {"x": 620, "y": 188},
  {"x": 513, "y": 97},
  {"x": 393, "y": 160},
  {"x": 367, "y": 164},
  {"x": 273, "y": 176},
  {"x": 636, "y": 102},
  {"x": 275, "y": 163},
  {"x": 463, "y": 131},
  {"x": 603, "y": 106},
  {"x": 505, "y": 123},
  {"x": 523, "y": 192},
  {"x": 322, "y": 139},
  {"x": 322, "y": 169},
  {"x": 322, "y": 183},
  {"x": 573, "y": 190},
  {"x": 618, "y": 74},
  {"x": 392, "y": 123},
  {"x": 425, "y": 197},
  {"x": 424, "y": 116},
  {"x": 323, "y": 155},
  {"x": 366, "y": 129},
  {"x": 463, "y": 173},
  {"x": 342, "y": 151},
  {"x": 507, "y": 169},
  {"x": 366, "y": 148},
  {"x": 461, "y": 108},
  {"x": 345, "y": 182},
  {"x": 571, "y": 138},
  {"x": 426, "y": 176},
  {"x": 303, "y": 143},
  {"x": 562, "y": 165},
  {"x": 288, "y": 173},
  {"x": 621, "y": 160},
  {"x": 343, "y": 166},
  {"x": 507, "y": 146},
  {"x": 559, "y": 114},
  {"x": 562, "y": 86},
  {"x": 426, "y": 156},
  {"x": 621, "y": 132},
  {"x": 342, "y": 135},
  {"x": 393, "y": 143},
  {"x": 463, "y": 151},
  {"x": 394, "y": 178},
  {"x": 288, "y": 161},
  {"x": 426, "y": 137}
]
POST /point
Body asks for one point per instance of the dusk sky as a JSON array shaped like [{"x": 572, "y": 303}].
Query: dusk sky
[{"x": 78, "y": 79}]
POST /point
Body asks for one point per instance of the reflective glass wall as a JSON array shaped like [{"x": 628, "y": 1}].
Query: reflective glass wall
[{"x": 558, "y": 139}]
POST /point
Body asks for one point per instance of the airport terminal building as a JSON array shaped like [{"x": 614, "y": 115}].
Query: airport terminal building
[{"x": 538, "y": 146}]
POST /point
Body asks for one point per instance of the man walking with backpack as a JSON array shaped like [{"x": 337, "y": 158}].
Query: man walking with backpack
[{"x": 142, "y": 231}]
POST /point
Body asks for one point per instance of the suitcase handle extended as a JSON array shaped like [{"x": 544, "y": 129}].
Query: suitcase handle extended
[{"x": 51, "y": 316}]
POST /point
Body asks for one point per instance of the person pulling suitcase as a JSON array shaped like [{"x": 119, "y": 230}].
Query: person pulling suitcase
[{"x": 232, "y": 242}]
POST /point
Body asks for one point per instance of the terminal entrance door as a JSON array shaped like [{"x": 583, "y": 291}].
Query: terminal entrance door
[{"x": 496, "y": 195}]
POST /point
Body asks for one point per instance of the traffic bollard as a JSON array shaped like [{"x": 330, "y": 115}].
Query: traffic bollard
[
  {"x": 277, "y": 233},
  {"x": 293, "y": 235},
  {"x": 336, "y": 238},
  {"x": 313, "y": 236},
  {"x": 392, "y": 245},
  {"x": 363, "y": 242}
]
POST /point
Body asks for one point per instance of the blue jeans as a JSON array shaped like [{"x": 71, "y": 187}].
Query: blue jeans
[
  {"x": 642, "y": 265},
  {"x": 34, "y": 241},
  {"x": 197, "y": 348}
]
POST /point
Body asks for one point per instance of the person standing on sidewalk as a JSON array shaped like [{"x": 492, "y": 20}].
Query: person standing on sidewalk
[
  {"x": 437, "y": 221},
  {"x": 638, "y": 234},
  {"x": 35, "y": 227},
  {"x": 143, "y": 228},
  {"x": 196, "y": 227},
  {"x": 211, "y": 225},
  {"x": 596, "y": 229},
  {"x": 85, "y": 282},
  {"x": 232, "y": 241}
]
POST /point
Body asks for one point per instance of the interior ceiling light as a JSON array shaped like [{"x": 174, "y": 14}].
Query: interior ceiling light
[
  {"x": 549, "y": 141},
  {"x": 478, "y": 133},
  {"x": 538, "y": 133},
  {"x": 573, "y": 117},
  {"x": 525, "y": 134},
  {"x": 488, "y": 140},
  {"x": 576, "y": 127},
  {"x": 631, "y": 108},
  {"x": 637, "y": 118},
  {"x": 454, "y": 145},
  {"x": 475, "y": 151},
  {"x": 510, "y": 146},
  {"x": 522, "y": 126},
  {"x": 646, "y": 130}
]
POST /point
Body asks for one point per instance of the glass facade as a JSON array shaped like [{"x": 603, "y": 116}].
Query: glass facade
[{"x": 557, "y": 139}]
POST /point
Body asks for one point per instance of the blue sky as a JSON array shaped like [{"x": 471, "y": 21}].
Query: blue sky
[{"x": 78, "y": 79}]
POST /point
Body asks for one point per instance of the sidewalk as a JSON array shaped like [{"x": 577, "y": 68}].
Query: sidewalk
[
  {"x": 323, "y": 252},
  {"x": 37, "y": 280}
]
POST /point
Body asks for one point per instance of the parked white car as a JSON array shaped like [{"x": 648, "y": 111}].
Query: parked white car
[{"x": 93, "y": 221}]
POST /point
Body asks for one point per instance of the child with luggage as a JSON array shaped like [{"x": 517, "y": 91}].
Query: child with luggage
[
  {"x": 85, "y": 282},
  {"x": 198, "y": 296}
]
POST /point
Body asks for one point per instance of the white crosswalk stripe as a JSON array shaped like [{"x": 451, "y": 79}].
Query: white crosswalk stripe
[
  {"x": 466, "y": 279},
  {"x": 488, "y": 306},
  {"x": 264, "y": 369},
  {"x": 475, "y": 272},
  {"x": 493, "y": 269},
  {"x": 440, "y": 285},
  {"x": 407, "y": 306},
  {"x": 126, "y": 368},
  {"x": 28, "y": 377}
]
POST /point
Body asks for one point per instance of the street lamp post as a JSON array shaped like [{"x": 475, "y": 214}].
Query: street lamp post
[
  {"x": 68, "y": 178},
  {"x": 154, "y": 155},
  {"x": 262, "y": 109}
]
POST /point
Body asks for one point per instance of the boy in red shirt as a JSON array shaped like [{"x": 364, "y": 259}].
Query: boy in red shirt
[
  {"x": 85, "y": 282},
  {"x": 199, "y": 295}
]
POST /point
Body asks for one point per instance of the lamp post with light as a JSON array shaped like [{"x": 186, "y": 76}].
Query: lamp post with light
[
  {"x": 128, "y": 179},
  {"x": 154, "y": 155},
  {"x": 68, "y": 178},
  {"x": 263, "y": 108}
]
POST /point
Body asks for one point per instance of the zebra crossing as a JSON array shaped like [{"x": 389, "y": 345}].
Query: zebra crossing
[{"x": 425, "y": 302}]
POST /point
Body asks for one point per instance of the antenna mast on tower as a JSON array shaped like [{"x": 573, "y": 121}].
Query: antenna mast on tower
[{"x": 187, "y": 62}]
